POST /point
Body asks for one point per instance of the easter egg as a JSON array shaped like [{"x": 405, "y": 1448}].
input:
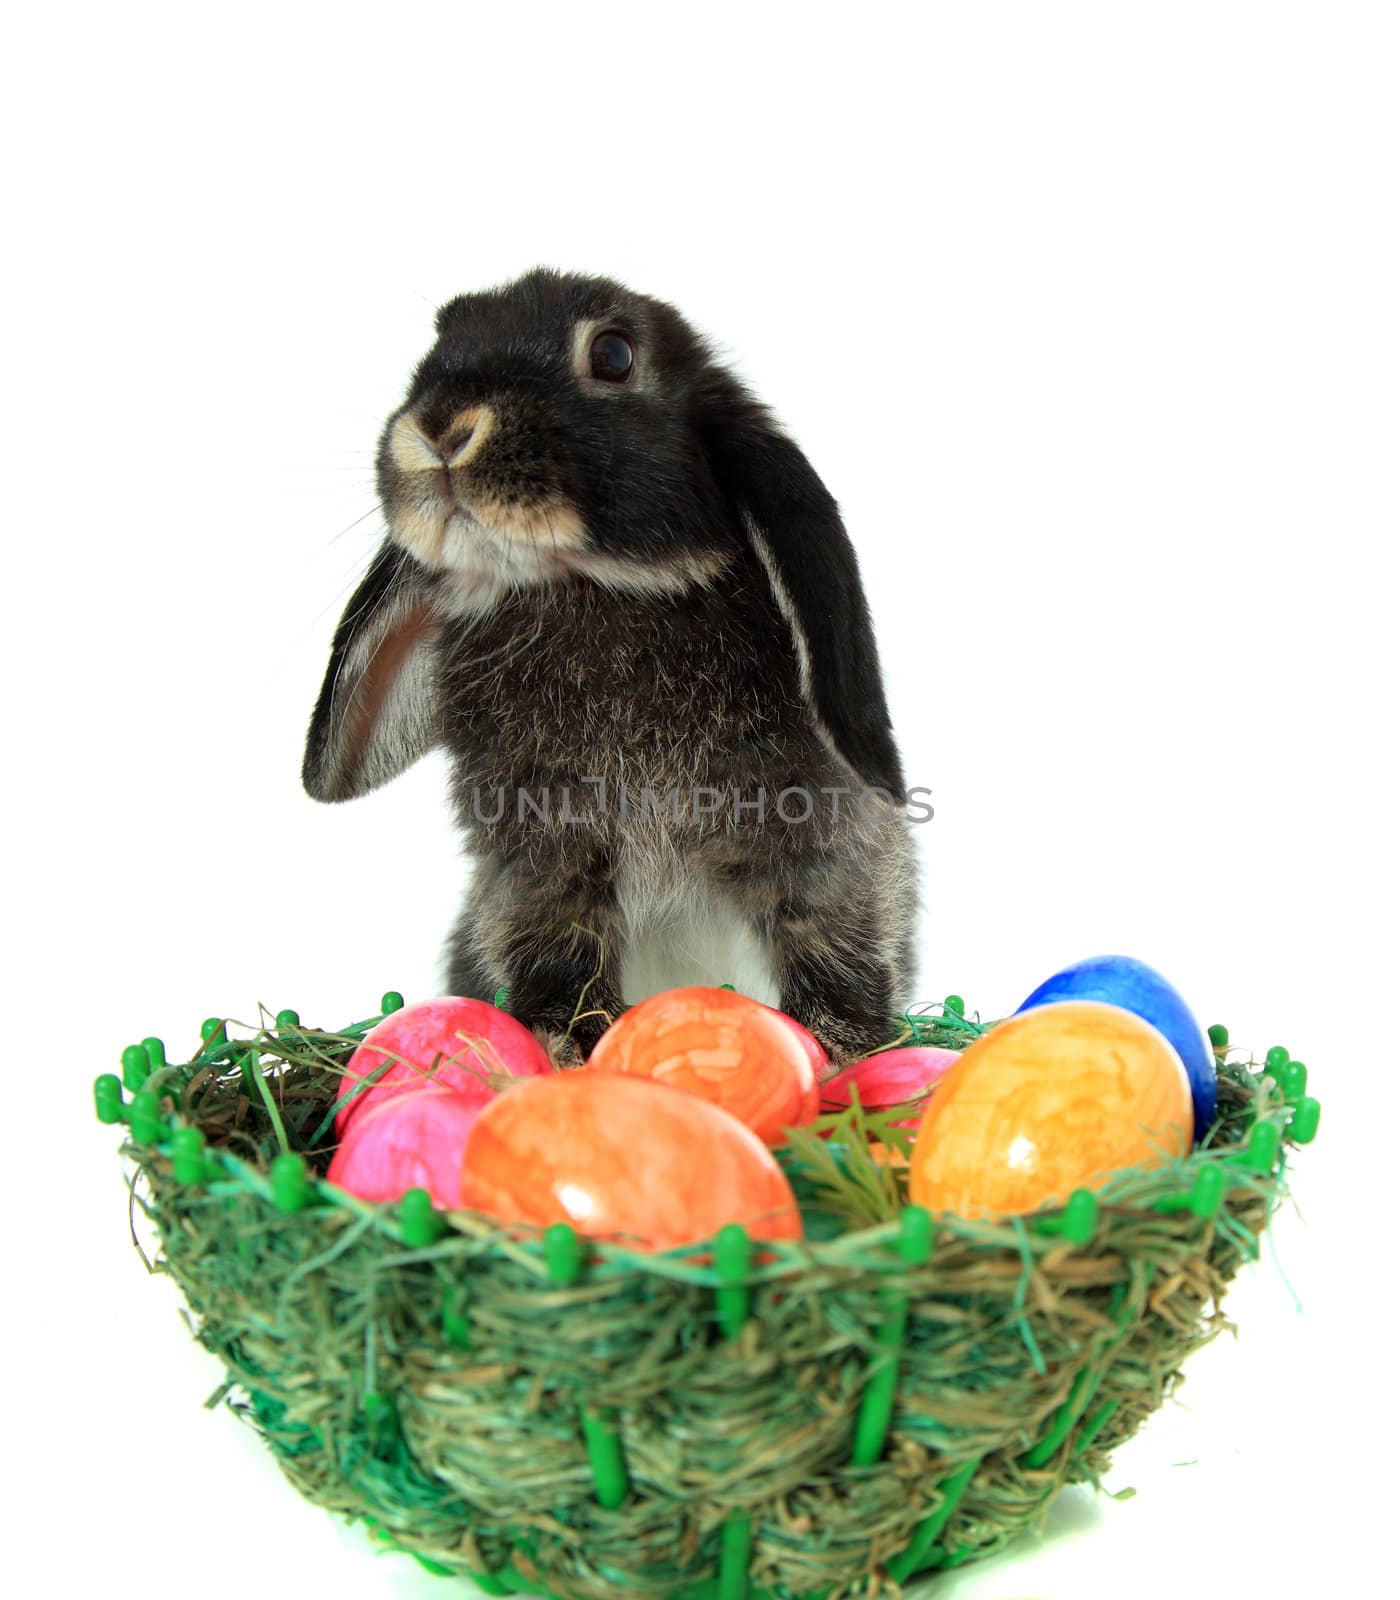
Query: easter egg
[
  {"x": 814, "y": 1051},
  {"x": 1052, "y": 1100},
  {"x": 889, "y": 1078},
  {"x": 732, "y": 1051},
  {"x": 624, "y": 1158},
  {"x": 455, "y": 1043},
  {"x": 1123, "y": 981},
  {"x": 407, "y": 1141}
]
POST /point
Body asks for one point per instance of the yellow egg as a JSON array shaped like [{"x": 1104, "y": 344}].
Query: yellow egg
[{"x": 1050, "y": 1101}]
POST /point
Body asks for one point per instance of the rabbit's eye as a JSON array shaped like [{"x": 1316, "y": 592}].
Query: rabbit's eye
[{"x": 610, "y": 357}]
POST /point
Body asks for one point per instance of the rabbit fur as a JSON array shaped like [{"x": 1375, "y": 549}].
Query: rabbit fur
[{"x": 619, "y": 597}]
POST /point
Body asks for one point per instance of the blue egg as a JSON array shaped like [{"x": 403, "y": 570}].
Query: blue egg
[{"x": 1122, "y": 981}]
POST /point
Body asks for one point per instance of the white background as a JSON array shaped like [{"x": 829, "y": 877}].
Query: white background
[{"x": 1088, "y": 317}]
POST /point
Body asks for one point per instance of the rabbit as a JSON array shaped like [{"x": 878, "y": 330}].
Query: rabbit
[{"x": 617, "y": 594}]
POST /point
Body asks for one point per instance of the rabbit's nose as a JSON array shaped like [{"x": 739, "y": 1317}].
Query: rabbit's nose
[{"x": 452, "y": 447}]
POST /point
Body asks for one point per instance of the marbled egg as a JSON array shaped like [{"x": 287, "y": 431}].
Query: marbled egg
[
  {"x": 1055, "y": 1099},
  {"x": 1132, "y": 984}
]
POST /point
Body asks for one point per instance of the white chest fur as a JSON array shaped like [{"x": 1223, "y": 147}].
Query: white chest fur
[{"x": 679, "y": 930}]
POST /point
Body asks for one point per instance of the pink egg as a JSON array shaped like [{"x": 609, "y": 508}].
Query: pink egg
[
  {"x": 889, "y": 1079},
  {"x": 408, "y": 1141},
  {"x": 815, "y": 1054},
  {"x": 454, "y": 1043}
]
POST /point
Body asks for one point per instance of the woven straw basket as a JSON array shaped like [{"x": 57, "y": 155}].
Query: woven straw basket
[{"x": 548, "y": 1416}]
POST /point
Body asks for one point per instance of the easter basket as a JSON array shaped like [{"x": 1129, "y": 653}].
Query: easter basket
[{"x": 549, "y": 1415}]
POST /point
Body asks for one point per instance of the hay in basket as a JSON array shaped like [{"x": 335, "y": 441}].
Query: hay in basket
[{"x": 894, "y": 1395}]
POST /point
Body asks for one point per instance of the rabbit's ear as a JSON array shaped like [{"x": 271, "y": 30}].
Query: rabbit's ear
[
  {"x": 797, "y": 531},
  {"x": 378, "y": 709}
]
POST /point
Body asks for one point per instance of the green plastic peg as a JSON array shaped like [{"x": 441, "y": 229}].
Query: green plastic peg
[
  {"x": 1219, "y": 1035},
  {"x": 1081, "y": 1217},
  {"x": 437, "y": 1568},
  {"x": 288, "y": 1019},
  {"x": 390, "y": 1002},
  {"x": 1262, "y": 1150},
  {"x": 107, "y": 1096},
  {"x": 382, "y": 1415},
  {"x": 914, "y": 1244},
  {"x": 604, "y": 1446},
  {"x": 291, "y": 1189},
  {"x": 1207, "y": 1192},
  {"x": 419, "y": 1224},
  {"x": 187, "y": 1155},
  {"x": 1293, "y": 1080},
  {"x": 735, "y": 1553},
  {"x": 146, "y": 1123},
  {"x": 733, "y": 1252},
  {"x": 502, "y": 999},
  {"x": 956, "y": 1004},
  {"x": 489, "y": 1583},
  {"x": 916, "y": 1557},
  {"x": 1093, "y": 1426},
  {"x": 564, "y": 1258},
  {"x": 155, "y": 1052},
  {"x": 1302, "y": 1128},
  {"x": 1064, "y": 1418},
  {"x": 456, "y": 1325},
  {"x": 563, "y": 1253},
  {"x": 1276, "y": 1058},
  {"x": 213, "y": 1032},
  {"x": 136, "y": 1066}
]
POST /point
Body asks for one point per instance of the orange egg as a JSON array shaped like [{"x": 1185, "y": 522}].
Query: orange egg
[
  {"x": 722, "y": 1046},
  {"x": 623, "y": 1158},
  {"x": 886, "y": 1155},
  {"x": 1053, "y": 1100}
]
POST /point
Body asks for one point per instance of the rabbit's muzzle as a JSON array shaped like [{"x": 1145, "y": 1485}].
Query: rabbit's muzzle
[{"x": 453, "y": 516}]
